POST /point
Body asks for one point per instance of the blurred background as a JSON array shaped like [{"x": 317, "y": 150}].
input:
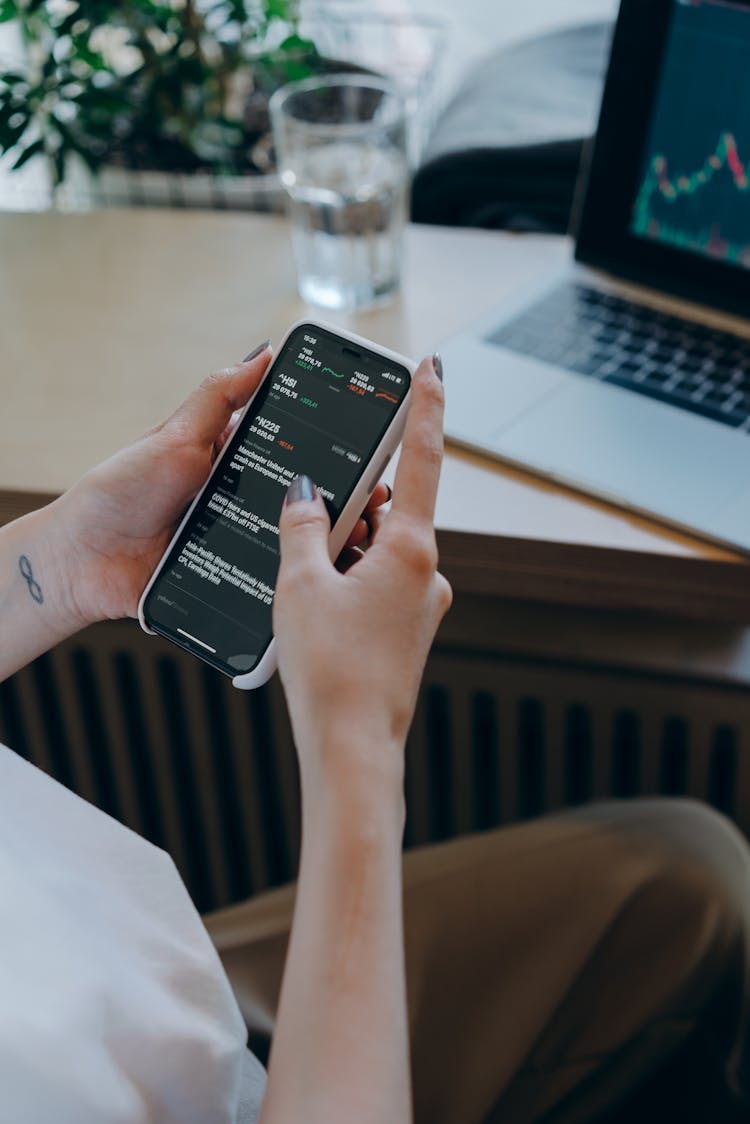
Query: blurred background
[{"x": 430, "y": 44}]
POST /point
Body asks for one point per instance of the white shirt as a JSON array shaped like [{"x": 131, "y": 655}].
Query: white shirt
[{"x": 114, "y": 1007}]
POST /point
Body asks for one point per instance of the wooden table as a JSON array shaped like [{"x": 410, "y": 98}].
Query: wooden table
[
  {"x": 108, "y": 319},
  {"x": 589, "y": 653}
]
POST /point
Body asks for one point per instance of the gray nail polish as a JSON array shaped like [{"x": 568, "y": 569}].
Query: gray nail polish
[
  {"x": 301, "y": 488},
  {"x": 437, "y": 363},
  {"x": 256, "y": 351}
]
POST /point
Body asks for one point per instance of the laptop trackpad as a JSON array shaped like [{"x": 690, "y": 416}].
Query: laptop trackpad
[
  {"x": 486, "y": 388},
  {"x": 638, "y": 452}
]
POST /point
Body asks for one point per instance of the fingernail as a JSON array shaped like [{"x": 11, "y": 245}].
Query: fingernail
[
  {"x": 256, "y": 351},
  {"x": 437, "y": 363},
  {"x": 390, "y": 493},
  {"x": 301, "y": 488}
]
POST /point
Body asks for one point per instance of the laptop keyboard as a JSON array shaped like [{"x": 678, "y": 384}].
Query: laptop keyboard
[{"x": 587, "y": 331}]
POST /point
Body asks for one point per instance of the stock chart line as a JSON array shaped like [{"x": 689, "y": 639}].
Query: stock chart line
[{"x": 658, "y": 183}]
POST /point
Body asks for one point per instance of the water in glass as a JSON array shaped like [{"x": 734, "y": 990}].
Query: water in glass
[{"x": 348, "y": 202}]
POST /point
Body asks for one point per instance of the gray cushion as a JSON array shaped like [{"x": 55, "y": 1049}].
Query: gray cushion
[{"x": 506, "y": 150}]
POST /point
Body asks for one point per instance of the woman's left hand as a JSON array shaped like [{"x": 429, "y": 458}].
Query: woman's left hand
[{"x": 120, "y": 516}]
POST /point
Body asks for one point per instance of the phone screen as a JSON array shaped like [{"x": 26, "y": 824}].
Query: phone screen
[{"x": 322, "y": 410}]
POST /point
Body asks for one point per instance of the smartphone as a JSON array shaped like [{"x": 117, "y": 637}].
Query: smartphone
[{"x": 332, "y": 406}]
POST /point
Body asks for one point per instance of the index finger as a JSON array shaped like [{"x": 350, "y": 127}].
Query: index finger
[{"x": 418, "y": 472}]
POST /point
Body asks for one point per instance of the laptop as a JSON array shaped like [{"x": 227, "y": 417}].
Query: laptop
[{"x": 625, "y": 373}]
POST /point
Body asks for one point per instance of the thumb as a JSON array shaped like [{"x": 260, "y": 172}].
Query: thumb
[
  {"x": 206, "y": 412},
  {"x": 304, "y": 527}
]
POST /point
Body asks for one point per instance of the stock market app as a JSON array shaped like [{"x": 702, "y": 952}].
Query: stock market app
[
  {"x": 695, "y": 184},
  {"x": 322, "y": 411}
]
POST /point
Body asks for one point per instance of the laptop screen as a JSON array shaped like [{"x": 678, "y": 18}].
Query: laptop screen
[
  {"x": 666, "y": 189},
  {"x": 694, "y": 190}
]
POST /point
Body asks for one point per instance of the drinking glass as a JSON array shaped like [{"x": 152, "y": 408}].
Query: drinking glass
[{"x": 341, "y": 146}]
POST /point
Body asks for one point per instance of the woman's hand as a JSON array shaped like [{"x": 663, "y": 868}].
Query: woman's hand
[
  {"x": 89, "y": 555},
  {"x": 352, "y": 645},
  {"x": 120, "y": 516}
]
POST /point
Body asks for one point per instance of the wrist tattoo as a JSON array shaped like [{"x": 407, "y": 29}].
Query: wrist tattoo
[{"x": 28, "y": 576}]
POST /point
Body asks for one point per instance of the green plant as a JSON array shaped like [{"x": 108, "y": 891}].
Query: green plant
[{"x": 176, "y": 85}]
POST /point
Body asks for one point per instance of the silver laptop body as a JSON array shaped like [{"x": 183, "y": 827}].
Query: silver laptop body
[{"x": 626, "y": 373}]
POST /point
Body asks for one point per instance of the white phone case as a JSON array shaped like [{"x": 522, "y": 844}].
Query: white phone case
[{"x": 351, "y": 510}]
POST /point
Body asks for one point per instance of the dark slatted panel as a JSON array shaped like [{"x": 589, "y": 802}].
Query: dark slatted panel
[
  {"x": 251, "y": 796},
  {"x": 56, "y": 733},
  {"x": 674, "y": 757},
  {"x": 486, "y": 749},
  {"x": 131, "y": 714},
  {"x": 208, "y": 823},
  {"x": 224, "y": 755},
  {"x": 279, "y": 853},
  {"x": 723, "y": 770},
  {"x": 182, "y": 771},
  {"x": 440, "y": 763},
  {"x": 418, "y": 816},
  {"x": 530, "y": 749},
  {"x": 579, "y": 755},
  {"x": 210, "y": 773},
  {"x": 283, "y": 759},
  {"x": 508, "y": 727},
  {"x": 156, "y": 789},
  {"x": 98, "y": 743},
  {"x": 11, "y": 718},
  {"x": 626, "y": 755}
]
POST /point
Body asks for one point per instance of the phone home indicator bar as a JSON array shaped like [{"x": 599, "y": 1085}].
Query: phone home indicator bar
[{"x": 197, "y": 641}]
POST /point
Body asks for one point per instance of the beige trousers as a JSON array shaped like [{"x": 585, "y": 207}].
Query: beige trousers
[{"x": 588, "y": 966}]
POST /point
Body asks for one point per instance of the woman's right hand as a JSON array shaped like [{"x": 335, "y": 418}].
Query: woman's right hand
[
  {"x": 352, "y": 643},
  {"x": 352, "y": 646}
]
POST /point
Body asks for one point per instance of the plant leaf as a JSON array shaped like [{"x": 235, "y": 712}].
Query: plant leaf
[
  {"x": 69, "y": 22},
  {"x": 71, "y": 143},
  {"x": 297, "y": 44},
  {"x": 59, "y": 160},
  {"x": 32, "y": 150},
  {"x": 8, "y": 10},
  {"x": 11, "y": 78},
  {"x": 13, "y": 134},
  {"x": 170, "y": 108},
  {"x": 281, "y": 10}
]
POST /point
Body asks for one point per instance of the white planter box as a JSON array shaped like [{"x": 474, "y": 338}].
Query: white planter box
[
  {"x": 118, "y": 187},
  {"x": 380, "y": 35}
]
